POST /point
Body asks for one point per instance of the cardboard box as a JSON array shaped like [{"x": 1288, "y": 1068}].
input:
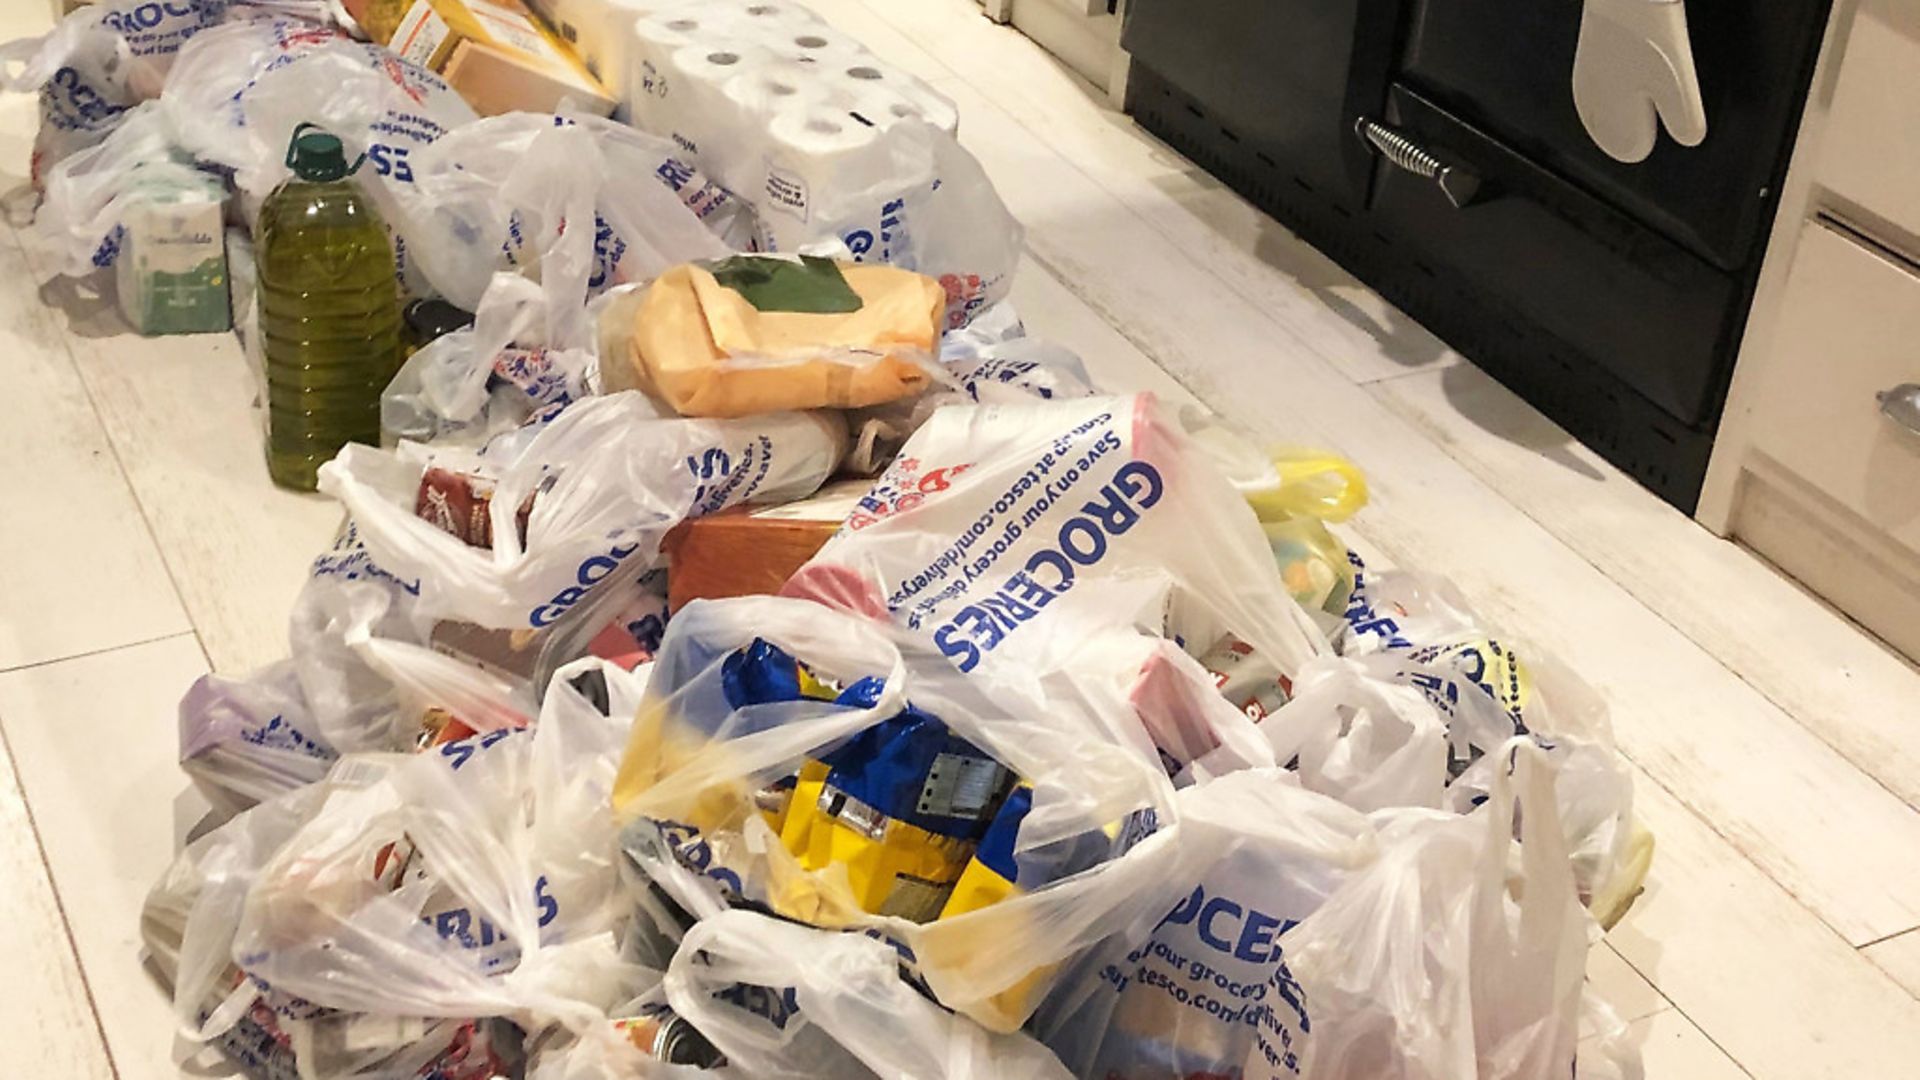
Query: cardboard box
[
  {"x": 497, "y": 55},
  {"x": 753, "y": 551},
  {"x": 496, "y": 81}
]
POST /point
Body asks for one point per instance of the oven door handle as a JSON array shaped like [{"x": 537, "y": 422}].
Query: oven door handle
[{"x": 1457, "y": 184}]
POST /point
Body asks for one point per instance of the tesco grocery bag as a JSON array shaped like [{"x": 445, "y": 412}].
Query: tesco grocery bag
[
  {"x": 830, "y": 769},
  {"x": 1458, "y": 955},
  {"x": 845, "y": 1011},
  {"x": 509, "y": 192},
  {"x": 101, "y": 60},
  {"x": 1418, "y": 631},
  {"x": 996, "y": 522},
  {"x": 472, "y": 880},
  {"x": 588, "y": 500},
  {"x": 1195, "y": 996},
  {"x": 244, "y": 741}
]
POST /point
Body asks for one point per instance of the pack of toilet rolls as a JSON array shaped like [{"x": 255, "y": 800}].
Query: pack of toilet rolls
[{"x": 830, "y": 145}]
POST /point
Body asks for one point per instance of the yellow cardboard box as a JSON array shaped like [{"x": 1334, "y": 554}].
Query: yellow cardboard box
[{"x": 497, "y": 55}]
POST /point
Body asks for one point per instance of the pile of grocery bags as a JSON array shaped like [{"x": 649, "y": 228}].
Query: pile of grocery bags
[{"x": 1014, "y": 725}]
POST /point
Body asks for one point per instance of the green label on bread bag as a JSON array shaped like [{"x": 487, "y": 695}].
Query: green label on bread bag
[{"x": 812, "y": 286}]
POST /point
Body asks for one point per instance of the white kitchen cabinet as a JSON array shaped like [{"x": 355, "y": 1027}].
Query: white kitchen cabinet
[{"x": 1817, "y": 463}]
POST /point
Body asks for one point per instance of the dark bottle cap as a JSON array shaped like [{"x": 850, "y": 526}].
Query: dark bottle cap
[
  {"x": 316, "y": 156},
  {"x": 429, "y": 320}
]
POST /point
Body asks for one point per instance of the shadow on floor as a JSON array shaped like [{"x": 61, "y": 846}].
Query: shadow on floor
[
  {"x": 1500, "y": 412},
  {"x": 89, "y": 305}
]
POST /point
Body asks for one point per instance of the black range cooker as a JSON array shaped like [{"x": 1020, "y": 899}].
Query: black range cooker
[{"x": 1432, "y": 148}]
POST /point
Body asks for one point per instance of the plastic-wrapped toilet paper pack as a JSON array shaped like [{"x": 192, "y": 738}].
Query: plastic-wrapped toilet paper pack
[{"x": 832, "y": 147}]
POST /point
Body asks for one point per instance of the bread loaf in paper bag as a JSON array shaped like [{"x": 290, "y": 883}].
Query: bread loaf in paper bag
[{"x": 753, "y": 334}]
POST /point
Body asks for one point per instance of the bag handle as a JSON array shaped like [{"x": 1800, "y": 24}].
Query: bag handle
[{"x": 1308, "y": 488}]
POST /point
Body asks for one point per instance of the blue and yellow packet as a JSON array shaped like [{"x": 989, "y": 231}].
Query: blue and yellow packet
[{"x": 901, "y": 806}]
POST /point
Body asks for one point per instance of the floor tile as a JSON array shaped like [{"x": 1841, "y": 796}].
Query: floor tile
[
  {"x": 47, "y": 1024},
  {"x": 94, "y": 744},
  {"x": 78, "y": 570}
]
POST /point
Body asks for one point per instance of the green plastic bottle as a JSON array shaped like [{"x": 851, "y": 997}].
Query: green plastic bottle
[{"x": 329, "y": 311}]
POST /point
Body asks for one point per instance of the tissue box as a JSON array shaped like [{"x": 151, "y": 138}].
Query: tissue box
[
  {"x": 496, "y": 55},
  {"x": 172, "y": 271}
]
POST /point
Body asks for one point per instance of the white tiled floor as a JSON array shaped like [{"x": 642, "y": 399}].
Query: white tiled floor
[{"x": 1774, "y": 744}]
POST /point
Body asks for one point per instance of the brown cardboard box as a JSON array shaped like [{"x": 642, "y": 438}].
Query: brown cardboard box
[
  {"x": 496, "y": 81},
  {"x": 752, "y": 551},
  {"x": 497, "y": 55}
]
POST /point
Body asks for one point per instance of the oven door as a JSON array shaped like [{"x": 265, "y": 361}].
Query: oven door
[{"x": 1506, "y": 67}]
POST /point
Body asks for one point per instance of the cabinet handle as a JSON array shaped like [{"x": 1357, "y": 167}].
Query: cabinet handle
[
  {"x": 1902, "y": 406},
  {"x": 1457, "y": 184}
]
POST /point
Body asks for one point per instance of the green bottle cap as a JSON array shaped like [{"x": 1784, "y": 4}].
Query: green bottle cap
[{"x": 317, "y": 156}]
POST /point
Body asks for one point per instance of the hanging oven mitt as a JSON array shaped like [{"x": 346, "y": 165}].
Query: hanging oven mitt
[{"x": 1633, "y": 70}]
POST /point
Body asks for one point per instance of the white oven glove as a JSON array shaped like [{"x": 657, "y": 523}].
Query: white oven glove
[{"x": 1633, "y": 69}]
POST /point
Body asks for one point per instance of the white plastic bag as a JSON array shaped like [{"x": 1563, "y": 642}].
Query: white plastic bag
[
  {"x": 1370, "y": 742},
  {"x": 474, "y": 880},
  {"x": 1188, "y": 999},
  {"x": 1096, "y": 852},
  {"x": 1451, "y": 957},
  {"x": 101, "y": 61},
  {"x": 607, "y": 480},
  {"x": 996, "y": 523},
  {"x": 504, "y": 372},
  {"x": 205, "y": 89},
  {"x": 244, "y": 741},
  {"x": 1014, "y": 371},
  {"x": 845, "y": 1012},
  {"x": 238, "y": 92},
  {"x": 931, "y": 209},
  {"x": 508, "y": 192},
  {"x": 78, "y": 228},
  {"x": 1418, "y": 631}
]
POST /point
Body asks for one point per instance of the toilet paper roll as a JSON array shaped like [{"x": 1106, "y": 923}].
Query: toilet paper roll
[
  {"x": 868, "y": 79},
  {"x": 775, "y": 16},
  {"x": 821, "y": 165},
  {"x": 774, "y": 86},
  {"x": 879, "y": 106}
]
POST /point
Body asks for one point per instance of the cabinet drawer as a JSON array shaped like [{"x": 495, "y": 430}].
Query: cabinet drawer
[
  {"x": 1870, "y": 156},
  {"x": 1849, "y": 327}
]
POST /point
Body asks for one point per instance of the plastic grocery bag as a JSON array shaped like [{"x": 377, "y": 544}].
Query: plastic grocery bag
[
  {"x": 733, "y": 791},
  {"x": 1369, "y": 741},
  {"x": 1014, "y": 371},
  {"x": 188, "y": 924},
  {"x": 508, "y": 370},
  {"x": 1310, "y": 490},
  {"x": 500, "y": 194},
  {"x": 238, "y": 92},
  {"x": 842, "y": 1010},
  {"x": 205, "y": 91},
  {"x": 1452, "y": 957},
  {"x": 100, "y": 62},
  {"x": 474, "y": 880},
  {"x": 78, "y": 227},
  {"x": 244, "y": 741},
  {"x": 996, "y": 522},
  {"x": 1188, "y": 999},
  {"x": 601, "y": 484},
  {"x": 1419, "y": 631}
]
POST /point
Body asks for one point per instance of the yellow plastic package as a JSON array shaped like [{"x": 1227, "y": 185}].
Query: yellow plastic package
[
  {"x": 754, "y": 334},
  {"x": 1315, "y": 488}
]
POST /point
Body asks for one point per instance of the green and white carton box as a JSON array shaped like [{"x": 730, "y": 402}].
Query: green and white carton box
[{"x": 172, "y": 270}]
